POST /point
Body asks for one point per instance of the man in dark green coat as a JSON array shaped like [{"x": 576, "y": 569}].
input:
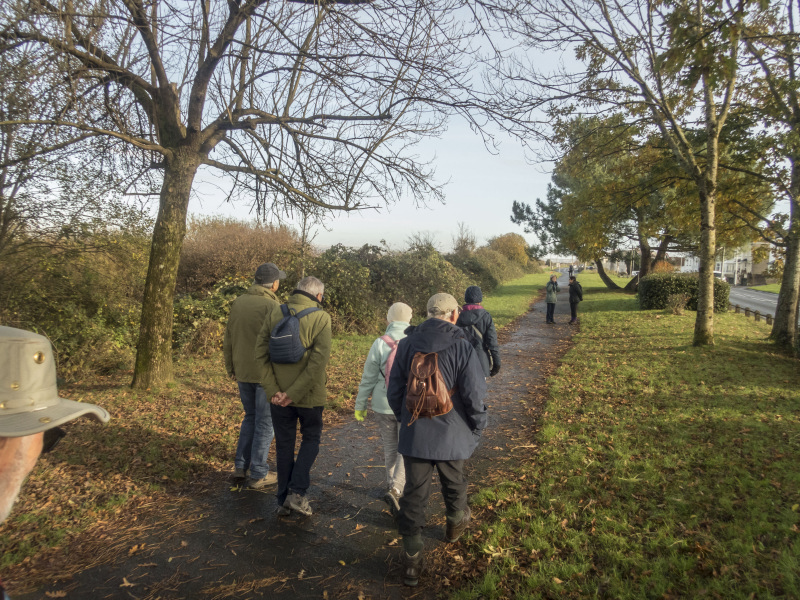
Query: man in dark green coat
[
  {"x": 247, "y": 316},
  {"x": 298, "y": 393}
]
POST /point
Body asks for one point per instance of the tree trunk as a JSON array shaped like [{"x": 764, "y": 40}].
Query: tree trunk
[
  {"x": 604, "y": 276},
  {"x": 154, "y": 350},
  {"x": 784, "y": 328},
  {"x": 661, "y": 253},
  {"x": 704, "y": 323}
]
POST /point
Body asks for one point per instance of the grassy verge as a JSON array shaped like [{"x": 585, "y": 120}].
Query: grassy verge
[
  {"x": 158, "y": 441},
  {"x": 663, "y": 470},
  {"x": 774, "y": 288}
]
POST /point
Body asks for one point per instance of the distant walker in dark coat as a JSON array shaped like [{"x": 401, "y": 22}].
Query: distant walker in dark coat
[
  {"x": 474, "y": 315},
  {"x": 444, "y": 442},
  {"x": 575, "y": 296}
]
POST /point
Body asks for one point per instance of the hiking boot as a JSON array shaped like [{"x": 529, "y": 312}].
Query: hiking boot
[
  {"x": 454, "y": 531},
  {"x": 282, "y": 511},
  {"x": 392, "y": 498},
  {"x": 269, "y": 479},
  {"x": 412, "y": 567},
  {"x": 238, "y": 474},
  {"x": 299, "y": 504}
]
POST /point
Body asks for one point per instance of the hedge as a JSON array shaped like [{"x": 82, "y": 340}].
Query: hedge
[{"x": 656, "y": 288}]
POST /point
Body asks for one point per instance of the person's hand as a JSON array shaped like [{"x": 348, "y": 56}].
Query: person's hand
[
  {"x": 360, "y": 415},
  {"x": 495, "y": 370},
  {"x": 281, "y": 399},
  {"x": 232, "y": 376}
]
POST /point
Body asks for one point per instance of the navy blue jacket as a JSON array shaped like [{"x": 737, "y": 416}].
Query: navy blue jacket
[
  {"x": 453, "y": 436},
  {"x": 482, "y": 320}
]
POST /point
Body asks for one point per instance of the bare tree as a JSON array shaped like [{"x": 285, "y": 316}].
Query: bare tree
[
  {"x": 673, "y": 66},
  {"x": 464, "y": 241},
  {"x": 303, "y": 105}
]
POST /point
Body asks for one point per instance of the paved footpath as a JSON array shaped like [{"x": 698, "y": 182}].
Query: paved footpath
[{"x": 217, "y": 541}]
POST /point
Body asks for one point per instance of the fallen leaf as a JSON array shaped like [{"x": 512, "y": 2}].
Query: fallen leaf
[
  {"x": 557, "y": 580},
  {"x": 59, "y": 594},
  {"x": 341, "y": 562}
]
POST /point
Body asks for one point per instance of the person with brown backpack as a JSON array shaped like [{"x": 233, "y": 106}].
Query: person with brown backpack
[{"x": 437, "y": 391}]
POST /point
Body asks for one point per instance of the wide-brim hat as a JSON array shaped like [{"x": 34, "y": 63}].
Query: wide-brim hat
[{"x": 29, "y": 400}]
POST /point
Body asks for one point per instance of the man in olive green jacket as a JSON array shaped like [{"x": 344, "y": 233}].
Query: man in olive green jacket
[
  {"x": 297, "y": 392},
  {"x": 246, "y": 317}
]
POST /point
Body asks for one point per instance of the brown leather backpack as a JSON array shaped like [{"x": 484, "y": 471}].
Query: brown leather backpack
[{"x": 426, "y": 392}]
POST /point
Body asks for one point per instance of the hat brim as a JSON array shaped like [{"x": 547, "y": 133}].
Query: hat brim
[{"x": 47, "y": 417}]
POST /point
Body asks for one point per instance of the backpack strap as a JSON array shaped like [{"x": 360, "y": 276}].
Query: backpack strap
[
  {"x": 285, "y": 310},
  {"x": 389, "y": 341},
  {"x": 305, "y": 312}
]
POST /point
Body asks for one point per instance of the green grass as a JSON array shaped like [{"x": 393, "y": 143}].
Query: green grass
[
  {"x": 663, "y": 470},
  {"x": 509, "y": 301},
  {"x": 774, "y": 288}
]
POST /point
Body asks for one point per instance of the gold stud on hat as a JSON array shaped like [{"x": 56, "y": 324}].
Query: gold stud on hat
[{"x": 38, "y": 358}]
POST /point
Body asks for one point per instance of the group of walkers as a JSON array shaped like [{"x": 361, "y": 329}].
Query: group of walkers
[{"x": 426, "y": 384}]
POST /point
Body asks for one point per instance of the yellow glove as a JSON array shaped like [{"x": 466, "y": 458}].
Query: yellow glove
[{"x": 360, "y": 415}]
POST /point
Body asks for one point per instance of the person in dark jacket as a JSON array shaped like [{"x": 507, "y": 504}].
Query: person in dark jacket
[
  {"x": 575, "y": 296},
  {"x": 444, "y": 442},
  {"x": 551, "y": 297},
  {"x": 473, "y": 315}
]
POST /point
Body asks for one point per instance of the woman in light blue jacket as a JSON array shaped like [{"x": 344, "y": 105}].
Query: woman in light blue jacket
[{"x": 373, "y": 384}]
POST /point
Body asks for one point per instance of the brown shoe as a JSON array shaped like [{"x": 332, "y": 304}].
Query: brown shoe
[
  {"x": 412, "y": 567},
  {"x": 454, "y": 531}
]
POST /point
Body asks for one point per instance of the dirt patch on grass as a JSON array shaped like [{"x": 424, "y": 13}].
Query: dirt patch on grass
[{"x": 210, "y": 539}]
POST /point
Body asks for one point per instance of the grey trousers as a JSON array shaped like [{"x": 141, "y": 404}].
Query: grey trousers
[{"x": 395, "y": 469}]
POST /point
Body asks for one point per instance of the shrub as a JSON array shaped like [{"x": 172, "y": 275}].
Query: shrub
[
  {"x": 413, "y": 277},
  {"x": 204, "y": 338},
  {"x": 84, "y": 296},
  {"x": 676, "y": 303},
  {"x": 656, "y": 288},
  {"x": 349, "y": 298},
  {"x": 192, "y": 312},
  {"x": 512, "y": 246},
  {"x": 663, "y": 266},
  {"x": 216, "y": 248}
]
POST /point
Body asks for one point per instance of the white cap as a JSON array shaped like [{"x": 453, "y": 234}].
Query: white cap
[{"x": 29, "y": 401}]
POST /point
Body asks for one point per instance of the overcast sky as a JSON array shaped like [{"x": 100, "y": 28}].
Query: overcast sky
[{"x": 480, "y": 193}]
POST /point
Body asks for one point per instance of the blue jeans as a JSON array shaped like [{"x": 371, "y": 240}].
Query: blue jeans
[
  {"x": 256, "y": 432},
  {"x": 551, "y": 309},
  {"x": 294, "y": 473}
]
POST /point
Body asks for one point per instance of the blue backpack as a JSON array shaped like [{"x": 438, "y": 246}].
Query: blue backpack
[{"x": 285, "y": 346}]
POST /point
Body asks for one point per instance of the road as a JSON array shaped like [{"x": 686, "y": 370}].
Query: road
[{"x": 763, "y": 302}]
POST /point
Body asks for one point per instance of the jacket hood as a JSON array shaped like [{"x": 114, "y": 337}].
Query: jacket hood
[
  {"x": 396, "y": 329},
  {"x": 303, "y": 301},
  {"x": 470, "y": 317},
  {"x": 434, "y": 335},
  {"x": 259, "y": 290}
]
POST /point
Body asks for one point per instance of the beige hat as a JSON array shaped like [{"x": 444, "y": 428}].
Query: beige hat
[
  {"x": 399, "y": 312},
  {"x": 441, "y": 304},
  {"x": 29, "y": 401}
]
